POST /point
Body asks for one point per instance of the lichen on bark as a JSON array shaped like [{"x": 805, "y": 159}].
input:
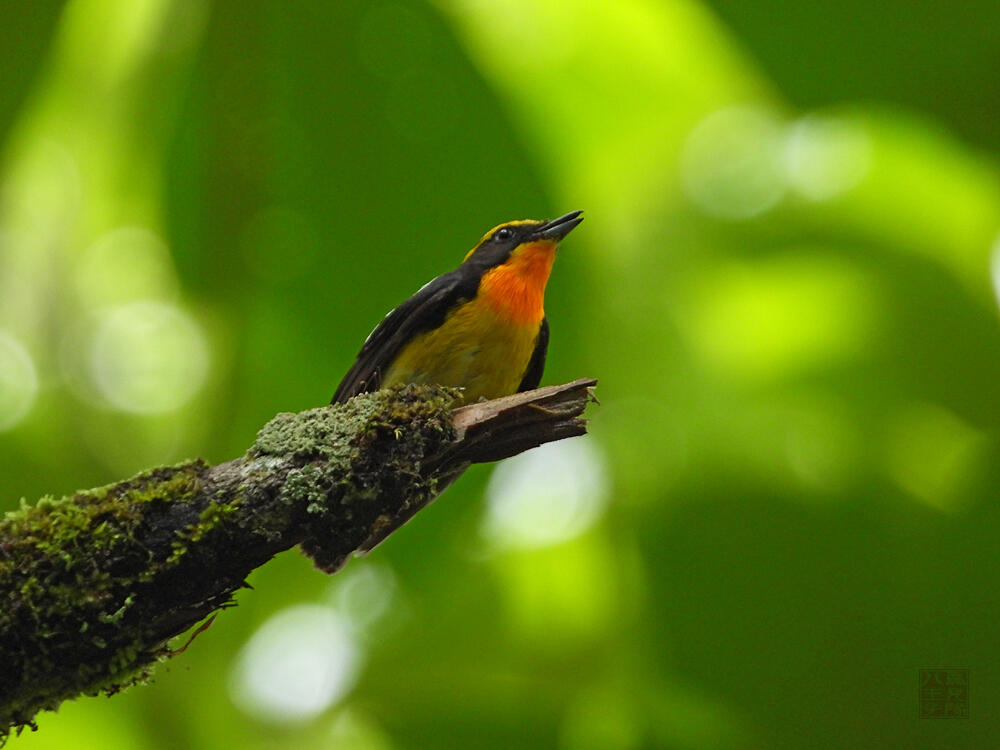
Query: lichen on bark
[
  {"x": 72, "y": 572},
  {"x": 94, "y": 585}
]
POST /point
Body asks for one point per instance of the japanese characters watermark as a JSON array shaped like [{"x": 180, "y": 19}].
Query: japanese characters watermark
[{"x": 944, "y": 693}]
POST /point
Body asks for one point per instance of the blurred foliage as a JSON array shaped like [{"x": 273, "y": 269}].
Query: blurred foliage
[{"x": 789, "y": 501}]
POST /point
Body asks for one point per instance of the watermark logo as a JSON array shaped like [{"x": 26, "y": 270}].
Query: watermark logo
[{"x": 944, "y": 693}]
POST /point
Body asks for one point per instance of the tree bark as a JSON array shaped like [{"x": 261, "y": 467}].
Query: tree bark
[{"x": 95, "y": 584}]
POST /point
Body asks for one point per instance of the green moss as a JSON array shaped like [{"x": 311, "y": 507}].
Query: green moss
[
  {"x": 79, "y": 573},
  {"x": 343, "y": 504},
  {"x": 64, "y": 568},
  {"x": 214, "y": 514},
  {"x": 331, "y": 431}
]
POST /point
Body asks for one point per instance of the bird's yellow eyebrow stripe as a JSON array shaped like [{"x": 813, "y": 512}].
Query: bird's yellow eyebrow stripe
[{"x": 519, "y": 223}]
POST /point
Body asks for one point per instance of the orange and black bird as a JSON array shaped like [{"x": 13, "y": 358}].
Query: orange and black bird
[{"x": 481, "y": 327}]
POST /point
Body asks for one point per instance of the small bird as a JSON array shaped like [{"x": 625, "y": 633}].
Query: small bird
[{"x": 481, "y": 327}]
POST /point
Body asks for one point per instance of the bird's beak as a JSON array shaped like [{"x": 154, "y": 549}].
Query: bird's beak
[{"x": 556, "y": 229}]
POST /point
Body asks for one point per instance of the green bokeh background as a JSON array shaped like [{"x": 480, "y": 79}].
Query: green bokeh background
[{"x": 784, "y": 284}]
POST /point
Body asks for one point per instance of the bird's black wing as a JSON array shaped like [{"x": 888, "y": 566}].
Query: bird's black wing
[
  {"x": 533, "y": 375},
  {"x": 422, "y": 312}
]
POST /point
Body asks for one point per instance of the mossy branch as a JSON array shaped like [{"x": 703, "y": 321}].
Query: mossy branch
[{"x": 95, "y": 584}]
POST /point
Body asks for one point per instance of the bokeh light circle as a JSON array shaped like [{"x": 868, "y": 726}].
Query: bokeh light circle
[
  {"x": 826, "y": 156},
  {"x": 148, "y": 357},
  {"x": 731, "y": 165},
  {"x": 298, "y": 663},
  {"x": 18, "y": 381},
  {"x": 547, "y": 495},
  {"x": 124, "y": 265}
]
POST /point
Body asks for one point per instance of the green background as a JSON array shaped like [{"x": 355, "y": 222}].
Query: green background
[{"x": 788, "y": 503}]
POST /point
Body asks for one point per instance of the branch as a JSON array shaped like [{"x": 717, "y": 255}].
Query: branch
[{"x": 95, "y": 584}]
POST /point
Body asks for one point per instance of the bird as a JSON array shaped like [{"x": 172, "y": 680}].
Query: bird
[{"x": 481, "y": 327}]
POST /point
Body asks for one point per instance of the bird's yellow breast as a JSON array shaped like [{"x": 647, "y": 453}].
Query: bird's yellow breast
[{"x": 478, "y": 347}]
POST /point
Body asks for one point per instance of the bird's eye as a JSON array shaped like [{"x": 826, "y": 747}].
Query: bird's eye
[{"x": 504, "y": 234}]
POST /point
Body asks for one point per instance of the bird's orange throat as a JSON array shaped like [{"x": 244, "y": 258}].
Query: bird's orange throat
[{"x": 516, "y": 288}]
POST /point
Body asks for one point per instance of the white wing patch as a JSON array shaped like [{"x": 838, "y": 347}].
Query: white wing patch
[
  {"x": 369, "y": 337},
  {"x": 394, "y": 309}
]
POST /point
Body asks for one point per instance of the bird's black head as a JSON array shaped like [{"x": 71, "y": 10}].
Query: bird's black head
[{"x": 498, "y": 244}]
